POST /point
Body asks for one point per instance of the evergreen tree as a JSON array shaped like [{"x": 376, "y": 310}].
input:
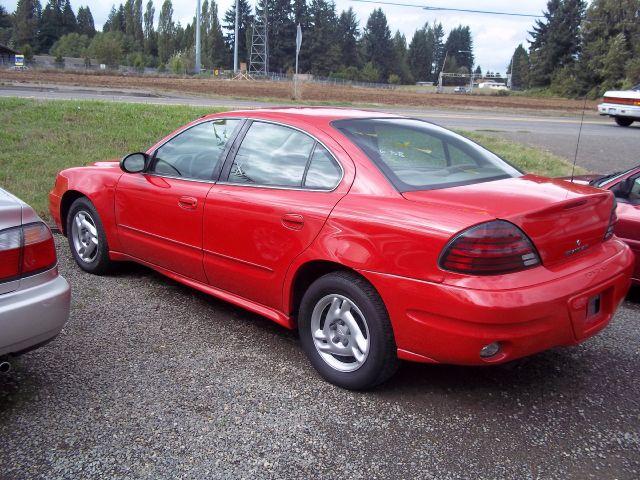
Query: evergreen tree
[
  {"x": 401, "y": 58},
  {"x": 377, "y": 45},
  {"x": 478, "y": 70},
  {"x": 422, "y": 54},
  {"x": 348, "y": 34},
  {"x": 519, "y": 68},
  {"x": 281, "y": 33},
  {"x": 322, "y": 40},
  {"x": 69, "y": 21},
  {"x": 245, "y": 22},
  {"x": 459, "y": 49},
  {"x": 437, "y": 38},
  {"x": 86, "y": 25},
  {"x": 150, "y": 40},
  {"x": 26, "y": 20},
  {"x": 218, "y": 53},
  {"x": 129, "y": 21},
  {"x": 611, "y": 29},
  {"x": 138, "y": 30},
  {"x": 50, "y": 25},
  {"x": 555, "y": 40},
  {"x": 166, "y": 32},
  {"x": 6, "y": 26}
]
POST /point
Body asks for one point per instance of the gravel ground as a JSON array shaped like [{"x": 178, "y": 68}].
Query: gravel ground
[{"x": 153, "y": 380}]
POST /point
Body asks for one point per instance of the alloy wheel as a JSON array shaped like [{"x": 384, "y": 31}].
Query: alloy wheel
[
  {"x": 340, "y": 333},
  {"x": 85, "y": 236}
]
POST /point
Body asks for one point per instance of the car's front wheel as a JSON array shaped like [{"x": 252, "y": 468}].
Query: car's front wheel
[
  {"x": 623, "y": 121},
  {"x": 346, "y": 333},
  {"x": 86, "y": 237}
]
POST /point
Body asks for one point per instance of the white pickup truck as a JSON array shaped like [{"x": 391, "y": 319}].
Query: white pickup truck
[{"x": 623, "y": 106}]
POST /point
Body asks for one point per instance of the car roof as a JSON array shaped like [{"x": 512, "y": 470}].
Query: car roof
[{"x": 307, "y": 114}]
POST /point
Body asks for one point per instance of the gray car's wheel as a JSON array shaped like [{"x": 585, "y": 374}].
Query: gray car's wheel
[
  {"x": 623, "y": 121},
  {"x": 345, "y": 331},
  {"x": 86, "y": 237}
]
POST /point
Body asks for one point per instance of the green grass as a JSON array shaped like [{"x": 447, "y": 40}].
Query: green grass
[{"x": 40, "y": 138}]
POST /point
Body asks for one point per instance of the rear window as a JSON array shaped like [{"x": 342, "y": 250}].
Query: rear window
[{"x": 416, "y": 155}]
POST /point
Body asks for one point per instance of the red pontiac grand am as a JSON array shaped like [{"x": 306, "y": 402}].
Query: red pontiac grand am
[{"x": 378, "y": 237}]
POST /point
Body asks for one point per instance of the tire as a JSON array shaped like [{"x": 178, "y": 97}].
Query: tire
[
  {"x": 95, "y": 258},
  {"x": 623, "y": 121},
  {"x": 364, "y": 315}
]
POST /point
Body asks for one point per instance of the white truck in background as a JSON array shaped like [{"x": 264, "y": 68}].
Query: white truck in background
[{"x": 622, "y": 105}]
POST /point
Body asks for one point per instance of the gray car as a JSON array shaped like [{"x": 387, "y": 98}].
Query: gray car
[{"x": 34, "y": 298}]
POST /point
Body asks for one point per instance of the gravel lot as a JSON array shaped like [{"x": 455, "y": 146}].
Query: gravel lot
[{"x": 153, "y": 380}]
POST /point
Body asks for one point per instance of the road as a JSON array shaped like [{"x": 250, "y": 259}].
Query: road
[
  {"x": 153, "y": 380},
  {"x": 603, "y": 146}
]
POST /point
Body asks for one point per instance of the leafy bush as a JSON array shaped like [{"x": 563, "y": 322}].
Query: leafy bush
[
  {"x": 107, "y": 48},
  {"x": 394, "y": 79},
  {"x": 71, "y": 45}
]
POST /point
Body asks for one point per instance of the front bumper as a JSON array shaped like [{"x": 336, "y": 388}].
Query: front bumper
[
  {"x": 440, "y": 323},
  {"x": 617, "y": 110},
  {"x": 35, "y": 313}
]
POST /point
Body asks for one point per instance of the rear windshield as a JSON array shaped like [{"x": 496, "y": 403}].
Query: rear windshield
[{"x": 416, "y": 155}]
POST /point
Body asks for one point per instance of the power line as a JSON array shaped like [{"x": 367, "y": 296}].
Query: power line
[{"x": 463, "y": 10}]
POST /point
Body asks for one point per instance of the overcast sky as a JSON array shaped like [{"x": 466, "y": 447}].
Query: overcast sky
[{"x": 495, "y": 37}]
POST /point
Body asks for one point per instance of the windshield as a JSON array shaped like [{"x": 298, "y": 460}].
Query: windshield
[
  {"x": 637, "y": 88},
  {"x": 416, "y": 155}
]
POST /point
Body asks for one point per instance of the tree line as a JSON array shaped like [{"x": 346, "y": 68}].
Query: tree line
[
  {"x": 577, "y": 50},
  {"x": 334, "y": 44}
]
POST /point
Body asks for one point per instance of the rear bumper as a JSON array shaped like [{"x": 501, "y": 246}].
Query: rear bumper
[
  {"x": 35, "y": 313},
  {"x": 441, "y": 323},
  {"x": 616, "y": 110}
]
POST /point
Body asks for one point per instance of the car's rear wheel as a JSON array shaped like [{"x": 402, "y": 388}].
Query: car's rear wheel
[
  {"x": 345, "y": 331},
  {"x": 623, "y": 121},
  {"x": 86, "y": 237}
]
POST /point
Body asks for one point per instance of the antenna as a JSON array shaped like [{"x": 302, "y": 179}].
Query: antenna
[{"x": 575, "y": 157}]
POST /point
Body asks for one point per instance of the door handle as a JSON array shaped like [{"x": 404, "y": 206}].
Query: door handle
[
  {"x": 293, "y": 221},
  {"x": 188, "y": 203}
]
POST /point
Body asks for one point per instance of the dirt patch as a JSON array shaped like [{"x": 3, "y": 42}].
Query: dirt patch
[{"x": 282, "y": 90}]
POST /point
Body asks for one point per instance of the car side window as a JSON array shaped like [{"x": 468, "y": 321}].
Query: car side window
[
  {"x": 272, "y": 155},
  {"x": 634, "y": 194},
  {"x": 195, "y": 153},
  {"x": 323, "y": 173}
]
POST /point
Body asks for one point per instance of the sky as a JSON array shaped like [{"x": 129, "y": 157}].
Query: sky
[{"x": 495, "y": 37}]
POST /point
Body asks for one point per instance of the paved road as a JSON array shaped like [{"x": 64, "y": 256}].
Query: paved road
[
  {"x": 154, "y": 380},
  {"x": 603, "y": 147}
]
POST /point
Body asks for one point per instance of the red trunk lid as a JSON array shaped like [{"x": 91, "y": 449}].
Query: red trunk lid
[{"x": 562, "y": 219}]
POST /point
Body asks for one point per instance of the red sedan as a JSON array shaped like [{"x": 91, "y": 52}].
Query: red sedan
[
  {"x": 626, "y": 187},
  {"x": 378, "y": 237}
]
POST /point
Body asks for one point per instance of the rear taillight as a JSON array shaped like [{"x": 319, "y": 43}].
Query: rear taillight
[
  {"x": 613, "y": 219},
  {"x": 490, "y": 248},
  {"x": 10, "y": 254},
  {"x": 25, "y": 251}
]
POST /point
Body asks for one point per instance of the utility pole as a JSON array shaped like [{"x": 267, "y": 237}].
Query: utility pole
[
  {"x": 235, "y": 40},
  {"x": 198, "y": 42}
]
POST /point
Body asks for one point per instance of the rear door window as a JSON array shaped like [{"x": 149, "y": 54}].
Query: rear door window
[{"x": 279, "y": 156}]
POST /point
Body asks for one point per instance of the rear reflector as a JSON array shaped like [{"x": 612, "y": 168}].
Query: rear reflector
[
  {"x": 26, "y": 250},
  {"x": 490, "y": 248}
]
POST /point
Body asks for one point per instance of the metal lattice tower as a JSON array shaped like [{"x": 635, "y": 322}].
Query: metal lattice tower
[{"x": 259, "y": 58}]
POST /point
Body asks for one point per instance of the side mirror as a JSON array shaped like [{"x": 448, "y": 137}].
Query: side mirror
[{"x": 134, "y": 162}]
